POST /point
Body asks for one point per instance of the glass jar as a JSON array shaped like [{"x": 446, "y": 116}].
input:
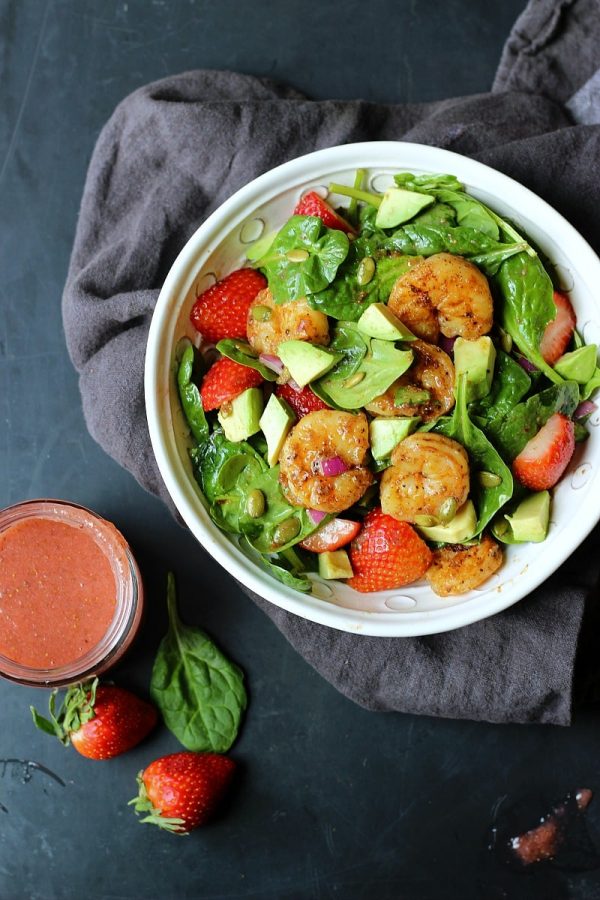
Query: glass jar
[{"x": 34, "y": 622}]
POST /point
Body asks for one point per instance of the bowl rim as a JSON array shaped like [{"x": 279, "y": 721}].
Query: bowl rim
[{"x": 200, "y": 245}]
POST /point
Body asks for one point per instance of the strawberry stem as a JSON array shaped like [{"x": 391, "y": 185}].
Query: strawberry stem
[
  {"x": 355, "y": 193},
  {"x": 76, "y": 708},
  {"x": 143, "y": 804}
]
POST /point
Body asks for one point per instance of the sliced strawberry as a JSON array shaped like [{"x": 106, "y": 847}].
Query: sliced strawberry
[
  {"x": 313, "y": 205},
  {"x": 559, "y": 331},
  {"x": 302, "y": 402},
  {"x": 546, "y": 456},
  {"x": 222, "y": 310},
  {"x": 226, "y": 380},
  {"x": 387, "y": 554},
  {"x": 331, "y": 536}
]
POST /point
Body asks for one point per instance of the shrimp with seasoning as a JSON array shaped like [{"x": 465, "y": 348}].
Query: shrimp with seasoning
[
  {"x": 443, "y": 293},
  {"x": 269, "y": 323},
  {"x": 458, "y": 569},
  {"x": 432, "y": 372},
  {"x": 320, "y": 437},
  {"x": 428, "y": 480}
]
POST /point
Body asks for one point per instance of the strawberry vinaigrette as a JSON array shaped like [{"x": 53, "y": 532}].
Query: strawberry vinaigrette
[{"x": 70, "y": 593}]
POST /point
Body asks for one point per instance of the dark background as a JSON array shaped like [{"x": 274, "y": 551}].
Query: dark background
[{"x": 333, "y": 801}]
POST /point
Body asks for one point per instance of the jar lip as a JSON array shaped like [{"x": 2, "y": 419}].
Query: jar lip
[{"x": 127, "y": 581}]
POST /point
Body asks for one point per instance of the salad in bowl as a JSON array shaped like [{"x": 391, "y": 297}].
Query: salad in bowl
[{"x": 386, "y": 392}]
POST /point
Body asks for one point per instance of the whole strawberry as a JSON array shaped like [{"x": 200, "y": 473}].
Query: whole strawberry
[
  {"x": 313, "y": 205},
  {"x": 387, "y": 554},
  {"x": 101, "y": 721},
  {"x": 303, "y": 401},
  {"x": 181, "y": 791},
  {"x": 221, "y": 311},
  {"x": 224, "y": 381}
]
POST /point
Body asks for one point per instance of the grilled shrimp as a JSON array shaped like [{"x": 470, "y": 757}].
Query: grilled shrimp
[
  {"x": 431, "y": 371},
  {"x": 443, "y": 293},
  {"x": 270, "y": 323},
  {"x": 340, "y": 438},
  {"x": 456, "y": 569},
  {"x": 428, "y": 479}
]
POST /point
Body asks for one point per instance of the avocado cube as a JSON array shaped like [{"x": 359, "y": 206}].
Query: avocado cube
[
  {"x": 276, "y": 422},
  {"x": 399, "y": 205},
  {"x": 462, "y": 527},
  {"x": 579, "y": 365},
  {"x": 241, "y": 418},
  {"x": 530, "y": 520},
  {"x": 378, "y": 321},
  {"x": 306, "y": 362},
  {"x": 386, "y": 433},
  {"x": 476, "y": 360},
  {"x": 335, "y": 564}
]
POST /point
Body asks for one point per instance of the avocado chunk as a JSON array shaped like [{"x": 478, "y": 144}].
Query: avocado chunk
[
  {"x": 476, "y": 360},
  {"x": 399, "y": 205},
  {"x": 579, "y": 365},
  {"x": 260, "y": 247},
  {"x": 276, "y": 422},
  {"x": 530, "y": 520},
  {"x": 241, "y": 418},
  {"x": 335, "y": 564},
  {"x": 378, "y": 321},
  {"x": 385, "y": 434},
  {"x": 462, "y": 527},
  {"x": 306, "y": 362}
]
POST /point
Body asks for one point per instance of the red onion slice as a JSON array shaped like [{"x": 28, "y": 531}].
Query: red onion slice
[
  {"x": 525, "y": 364},
  {"x": 333, "y": 466},
  {"x": 316, "y": 515},
  {"x": 271, "y": 362},
  {"x": 294, "y": 385},
  {"x": 447, "y": 344},
  {"x": 585, "y": 409}
]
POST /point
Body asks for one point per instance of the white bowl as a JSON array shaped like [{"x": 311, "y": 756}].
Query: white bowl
[{"x": 220, "y": 245}]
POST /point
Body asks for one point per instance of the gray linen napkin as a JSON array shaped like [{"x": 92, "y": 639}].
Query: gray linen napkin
[{"x": 176, "y": 149}]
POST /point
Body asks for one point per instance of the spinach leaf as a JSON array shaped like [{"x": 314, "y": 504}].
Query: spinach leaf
[
  {"x": 346, "y": 298},
  {"x": 592, "y": 385},
  {"x": 228, "y": 472},
  {"x": 352, "y": 344},
  {"x": 303, "y": 258},
  {"x": 526, "y": 305},
  {"x": 509, "y": 386},
  {"x": 241, "y": 352},
  {"x": 381, "y": 366},
  {"x": 438, "y": 214},
  {"x": 277, "y": 567},
  {"x": 425, "y": 240},
  {"x": 199, "y": 692},
  {"x": 447, "y": 189},
  {"x": 189, "y": 395},
  {"x": 483, "y": 457},
  {"x": 527, "y": 418}
]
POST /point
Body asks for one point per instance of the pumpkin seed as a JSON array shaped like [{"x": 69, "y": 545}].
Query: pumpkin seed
[
  {"x": 297, "y": 255},
  {"x": 261, "y": 313},
  {"x": 488, "y": 479},
  {"x": 366, "y": 270},
  {"x": 286, "y": 531},
  {"x": 255, "y": 504},
  {"x": 448, "y": 510},
  {"x": 226, "y": 409},
  {"x": 354, "y": 379},
  {"x": 426, "y": 521},
  {"x": 506, "y": 341}
]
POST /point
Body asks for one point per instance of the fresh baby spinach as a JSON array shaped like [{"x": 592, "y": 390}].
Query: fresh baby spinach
[
  {"x": 241, "y": 352},
  {"x": 199, "y": 691},
  {"x": 525, "y": 419},
  {"x": 278, "y": 567},
  {"x": 425, "y": 240},
  {"x": 448, "y": 189},
  {"x": 352, "y": 344},
  {"x": 378, "y": 369},
  {"x": 510, "y": 384},
  {"x": 191, "y": 366},
  {"x": 303, "y": 258},
  {"x": 483, "y": 457}
]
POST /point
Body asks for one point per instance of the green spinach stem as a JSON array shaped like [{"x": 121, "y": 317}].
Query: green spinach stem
[{"x": 355, "y": 193}]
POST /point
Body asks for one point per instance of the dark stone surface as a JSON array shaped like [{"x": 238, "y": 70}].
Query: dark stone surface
[{"x": 333, "y": 801}]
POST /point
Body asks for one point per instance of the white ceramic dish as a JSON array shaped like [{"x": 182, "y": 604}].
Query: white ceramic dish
[{"x": 220, "y": 245}]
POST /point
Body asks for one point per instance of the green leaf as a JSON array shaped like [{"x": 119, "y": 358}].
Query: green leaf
[
  {"x": 324, "y": 249},
  {"x": 510, "y": 384},
  {"x": 381, "y": 366},
  {"x": 447, "y": 189},
  {"x": 351, "y": 343},
  {"x": 241, "y": 352},
  {"x": 199, "y": 691},
  {"x": 526, "y": 419},
  {"x": 189, "y": 395},
  {"x": 483, "y": 457},
  {"x": 526, "y": 305},
  {"x": 347, "y": 299},
  {"x": 426, "y": 239},
  {"x": 592, "y": 385},
  {"x": 277, "y": 567}
]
